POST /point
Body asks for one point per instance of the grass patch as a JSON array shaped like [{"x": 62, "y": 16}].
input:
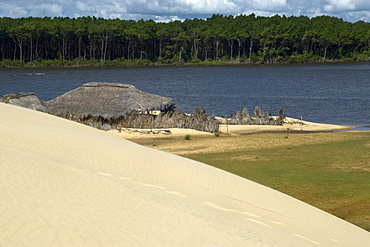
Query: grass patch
[{"x": 333, "y": 176}]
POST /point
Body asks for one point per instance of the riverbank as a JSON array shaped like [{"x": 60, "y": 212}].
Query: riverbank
[
  {"x": 290, "y": 125},
  {"x": 142, "y": 63}
]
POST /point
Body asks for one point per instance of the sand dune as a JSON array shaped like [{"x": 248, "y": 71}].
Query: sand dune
[{"x": 65, "y": 184}]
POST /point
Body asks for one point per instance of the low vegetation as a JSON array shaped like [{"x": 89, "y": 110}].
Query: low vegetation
[{"x": 328, "y": 170}]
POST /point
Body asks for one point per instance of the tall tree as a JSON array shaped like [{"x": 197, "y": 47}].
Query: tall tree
[{"x": 256, "y": 39}]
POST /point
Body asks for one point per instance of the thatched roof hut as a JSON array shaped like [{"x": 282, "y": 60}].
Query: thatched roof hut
[
  {"x": 27, "y": 100},
  {"x": 99, "y": 103}
]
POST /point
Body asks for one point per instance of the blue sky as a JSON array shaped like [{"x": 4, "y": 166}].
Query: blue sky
[{"x": 167, "y": 10}]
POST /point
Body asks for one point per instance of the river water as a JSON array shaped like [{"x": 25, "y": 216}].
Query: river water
[{"x": 325, "y": 93}]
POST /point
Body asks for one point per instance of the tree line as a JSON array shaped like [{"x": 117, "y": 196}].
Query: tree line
[{"x": 82, "y": 41}]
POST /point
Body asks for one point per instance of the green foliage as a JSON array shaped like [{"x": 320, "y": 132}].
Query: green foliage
[
  {"x": 187, "y": 137},
  {"x": 364, "y": 56},
  {"x": 91, "y": 41},
  {"x": 10, "y": 63},
  {"x": 217, "y": 134},
  {"x": 304, "y": 58},
  {"x": 195, "y": 60}
]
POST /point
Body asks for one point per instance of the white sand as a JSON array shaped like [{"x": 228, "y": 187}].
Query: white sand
[
  {"x": 290, "y": 125},
  {"x": 65, "y": 184}
]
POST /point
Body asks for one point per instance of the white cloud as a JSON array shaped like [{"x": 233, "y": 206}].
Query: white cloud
[
  {"x": 46, "y": 9},
  {"x": 339, "y": 5},
  {"x": 83, "y": 7},
  {"x": 165, "y": 10},
  {"x": 12, "y": 10},
  {"x": 213, "y": 6},
  {"x": 166, "y": 18},
  {"x": 360, "y": 15},
  {"x": 269, "y": 5}
]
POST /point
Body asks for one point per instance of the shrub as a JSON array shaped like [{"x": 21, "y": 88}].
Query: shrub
[
  {"x": 10, "y": 63},
  {"x": 195, "y": 60},
  {"x": 187, "y": 137}
]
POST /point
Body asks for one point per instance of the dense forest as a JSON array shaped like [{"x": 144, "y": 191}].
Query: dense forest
[{"x": 85, "y": 41}]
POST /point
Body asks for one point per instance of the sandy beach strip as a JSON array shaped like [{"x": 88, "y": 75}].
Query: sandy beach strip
[
  {"x": 290, "y": 125},
  {"x": 66, "y": 184}
]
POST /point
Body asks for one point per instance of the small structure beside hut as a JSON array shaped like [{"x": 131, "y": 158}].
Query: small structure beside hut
[
  {"x": 259, "y": 117},
  {"x": 27, "y": 100},
  {"x": 104, "y": 105}
]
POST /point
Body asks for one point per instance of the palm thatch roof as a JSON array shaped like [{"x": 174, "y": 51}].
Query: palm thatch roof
[
  {"x": 106, "y": 100},
  {"x": 27, "y": 100}
]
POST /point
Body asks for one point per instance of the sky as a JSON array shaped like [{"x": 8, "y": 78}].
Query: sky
[{"x": 169, "y": 10}]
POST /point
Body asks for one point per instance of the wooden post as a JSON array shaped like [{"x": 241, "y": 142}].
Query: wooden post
[{"x": 227, "y": 126}]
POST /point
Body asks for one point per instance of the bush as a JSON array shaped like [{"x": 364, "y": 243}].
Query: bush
[
  {"x": 365, "y": 56},
  {"x": 187, "y": 137},
  {"x": 141, "y": 62},
  {"x": 303, "y": 58},
  {"x": 195, "y": 60},
  {"x": 10, "y": 63}
]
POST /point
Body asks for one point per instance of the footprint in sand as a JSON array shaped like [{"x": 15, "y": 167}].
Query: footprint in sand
[
  {"x": 213, "y": 205},
  {"x": 253, "y": 215},
  {"x": 106, "y": 174},
  {"x": 302, "y": 237},
  {"x": 176, "y": 193},
  {"x": 258, "y": 222},
  {"x": 277, "y": 222}
]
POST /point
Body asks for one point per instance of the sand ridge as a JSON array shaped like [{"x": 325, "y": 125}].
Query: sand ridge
[{"x": 65, "y": 184}]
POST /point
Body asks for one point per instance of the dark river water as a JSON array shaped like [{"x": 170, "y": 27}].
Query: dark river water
[{"x": 335, "y": 93}]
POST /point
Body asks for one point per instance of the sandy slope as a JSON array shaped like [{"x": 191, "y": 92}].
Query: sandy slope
[{"x": 65, "y": 184}]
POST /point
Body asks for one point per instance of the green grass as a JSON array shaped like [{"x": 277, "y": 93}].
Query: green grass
[{"x": 333, "y": 176}]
